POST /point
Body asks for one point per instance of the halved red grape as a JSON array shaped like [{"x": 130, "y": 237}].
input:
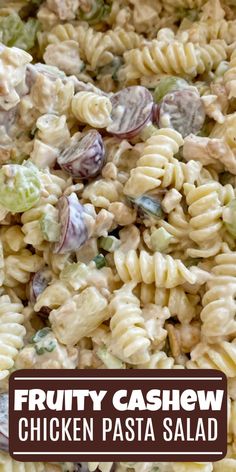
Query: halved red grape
[
  {"x": 183, "y": 111},
  {"x": 4, "y": 433},
  {"x": 73, "y": 228},
  {"x": 85, "y": 158},
  {"x": 131, "y": 111},
  {"x": 38, "y": 283}
]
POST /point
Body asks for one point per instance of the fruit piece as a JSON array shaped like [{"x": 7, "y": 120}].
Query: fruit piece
[
  {"x": 85, "y": 158},
  {"x": 131, "y": 111},
  {"x": 19, "y": 187},
  {"x": 73, "y": 229},
  {"x": 183, "y": 111}
]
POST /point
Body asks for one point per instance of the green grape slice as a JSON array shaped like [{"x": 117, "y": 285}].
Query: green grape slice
[
  {"x": 19, "y": 187},
  {"x": 167, "y": 85}
]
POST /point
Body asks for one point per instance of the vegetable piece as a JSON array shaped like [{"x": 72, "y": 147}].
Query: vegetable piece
[
  {"x": 167, "y": 85},
  {"x": 111, "y": 68},
  {"x": 183, "y": 111},
  {"x": 4, "y": 433},
  {"x": 229, "y": 217},
  {"x": 38, "y": 283},
  {"x": 43, "y": 341},
  {"x": 46, "y": 347},
  {"x": 73, "y": 229},
  {"x": 40, "y": 334},
  {"x": 96, "y": 13},
  {"x": 147, "y": 132},
  {"x": 15, "y": 32},
  {"x": 85, "y": 158},
  {"x": 148, "y": 206},
  {"x": 131, "y": 111},
  {"x": 100, "y": 261},
  {"x": 19, "y": 187},
  {"x": 109, "y": 244},
  {"x": 50, "y": 228},
  {"x": 110, "y": 361},
  {"x": 160, "y": 239}
]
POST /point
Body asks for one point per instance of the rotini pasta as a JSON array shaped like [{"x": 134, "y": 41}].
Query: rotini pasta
[
  {"x": 179, "y": 303},
  {"x": 165, "y": 271},
  {"x": 92, "y": 109},
  {"x": 205, "y": 209},
  {"x": 173, "y": 58},
  {"x": 130, "y": 340},
  {"x": 221, "y": 356},
  {"x": 11, "y": 333},
  {"x": 156, "y": 167},
  {"x": 218, "y": 314}
]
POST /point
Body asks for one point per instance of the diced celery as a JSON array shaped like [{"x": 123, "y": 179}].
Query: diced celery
[
  {"x": 110, "y": 361},
  {"x": 148, "y": 206},
  {"x": 100, "y": 261},
  {"x": 168, "y": 84},
  {"x": 40, "y": 334},
  {"x": 50, "y": 228},
  {"x": 45, "y": 346},
  {"x": 96, "y": 13},
  {"x": 109, "y": 244},
  {"x": 160, "y": 239},
  {"x": 15, "y": 32},
  {"x": 19, "y": 187},
  {"x": 147, "y": 132}
]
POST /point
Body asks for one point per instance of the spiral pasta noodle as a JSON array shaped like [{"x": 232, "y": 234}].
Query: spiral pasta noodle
[
  {"x": 220, "y": 356},
  {"x": 93, "y": 109},
  {"x": 57, "y": 34},
  {"x": 102, "y": 192},
  {"x": 165, "y": 271},
  {"x": 173, "y": 58},
  {"x": 154, "y": 165},
  {"x": 219, "y": 307},
  {"x": 129, "y": 337},
  {"x": 19, "y": 267},
  {"x": 11, "y": 333},
  {"x": 177, "y": 225},
  {"x": 159, "y": 360},
  {"x": 205, "y": 210},
  {"x": 230, "y": 77},
  {"x": 98, "y": 48},
  {"x": 178, "y": 302}
]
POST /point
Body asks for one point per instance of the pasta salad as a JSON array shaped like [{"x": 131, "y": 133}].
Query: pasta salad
[{"x": 118, "y": 194}]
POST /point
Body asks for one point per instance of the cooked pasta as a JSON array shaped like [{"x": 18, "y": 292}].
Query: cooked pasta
[
  {"x": 179, "y": 303},
  {"x": 129, "y": 337},
  {"x": 221, "y": 356},
  {"x": 165, "y": 271},
  {"x": 218, "y": 314},
  {"x": 173, "y": 58},
  {"x": 156, "y": 167},
  {"x": 92, "y": 109},
  {"x": 11, "y": 333},
  {"x": 118, "y": 194},
  {"x": 205, "y": 210}
]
